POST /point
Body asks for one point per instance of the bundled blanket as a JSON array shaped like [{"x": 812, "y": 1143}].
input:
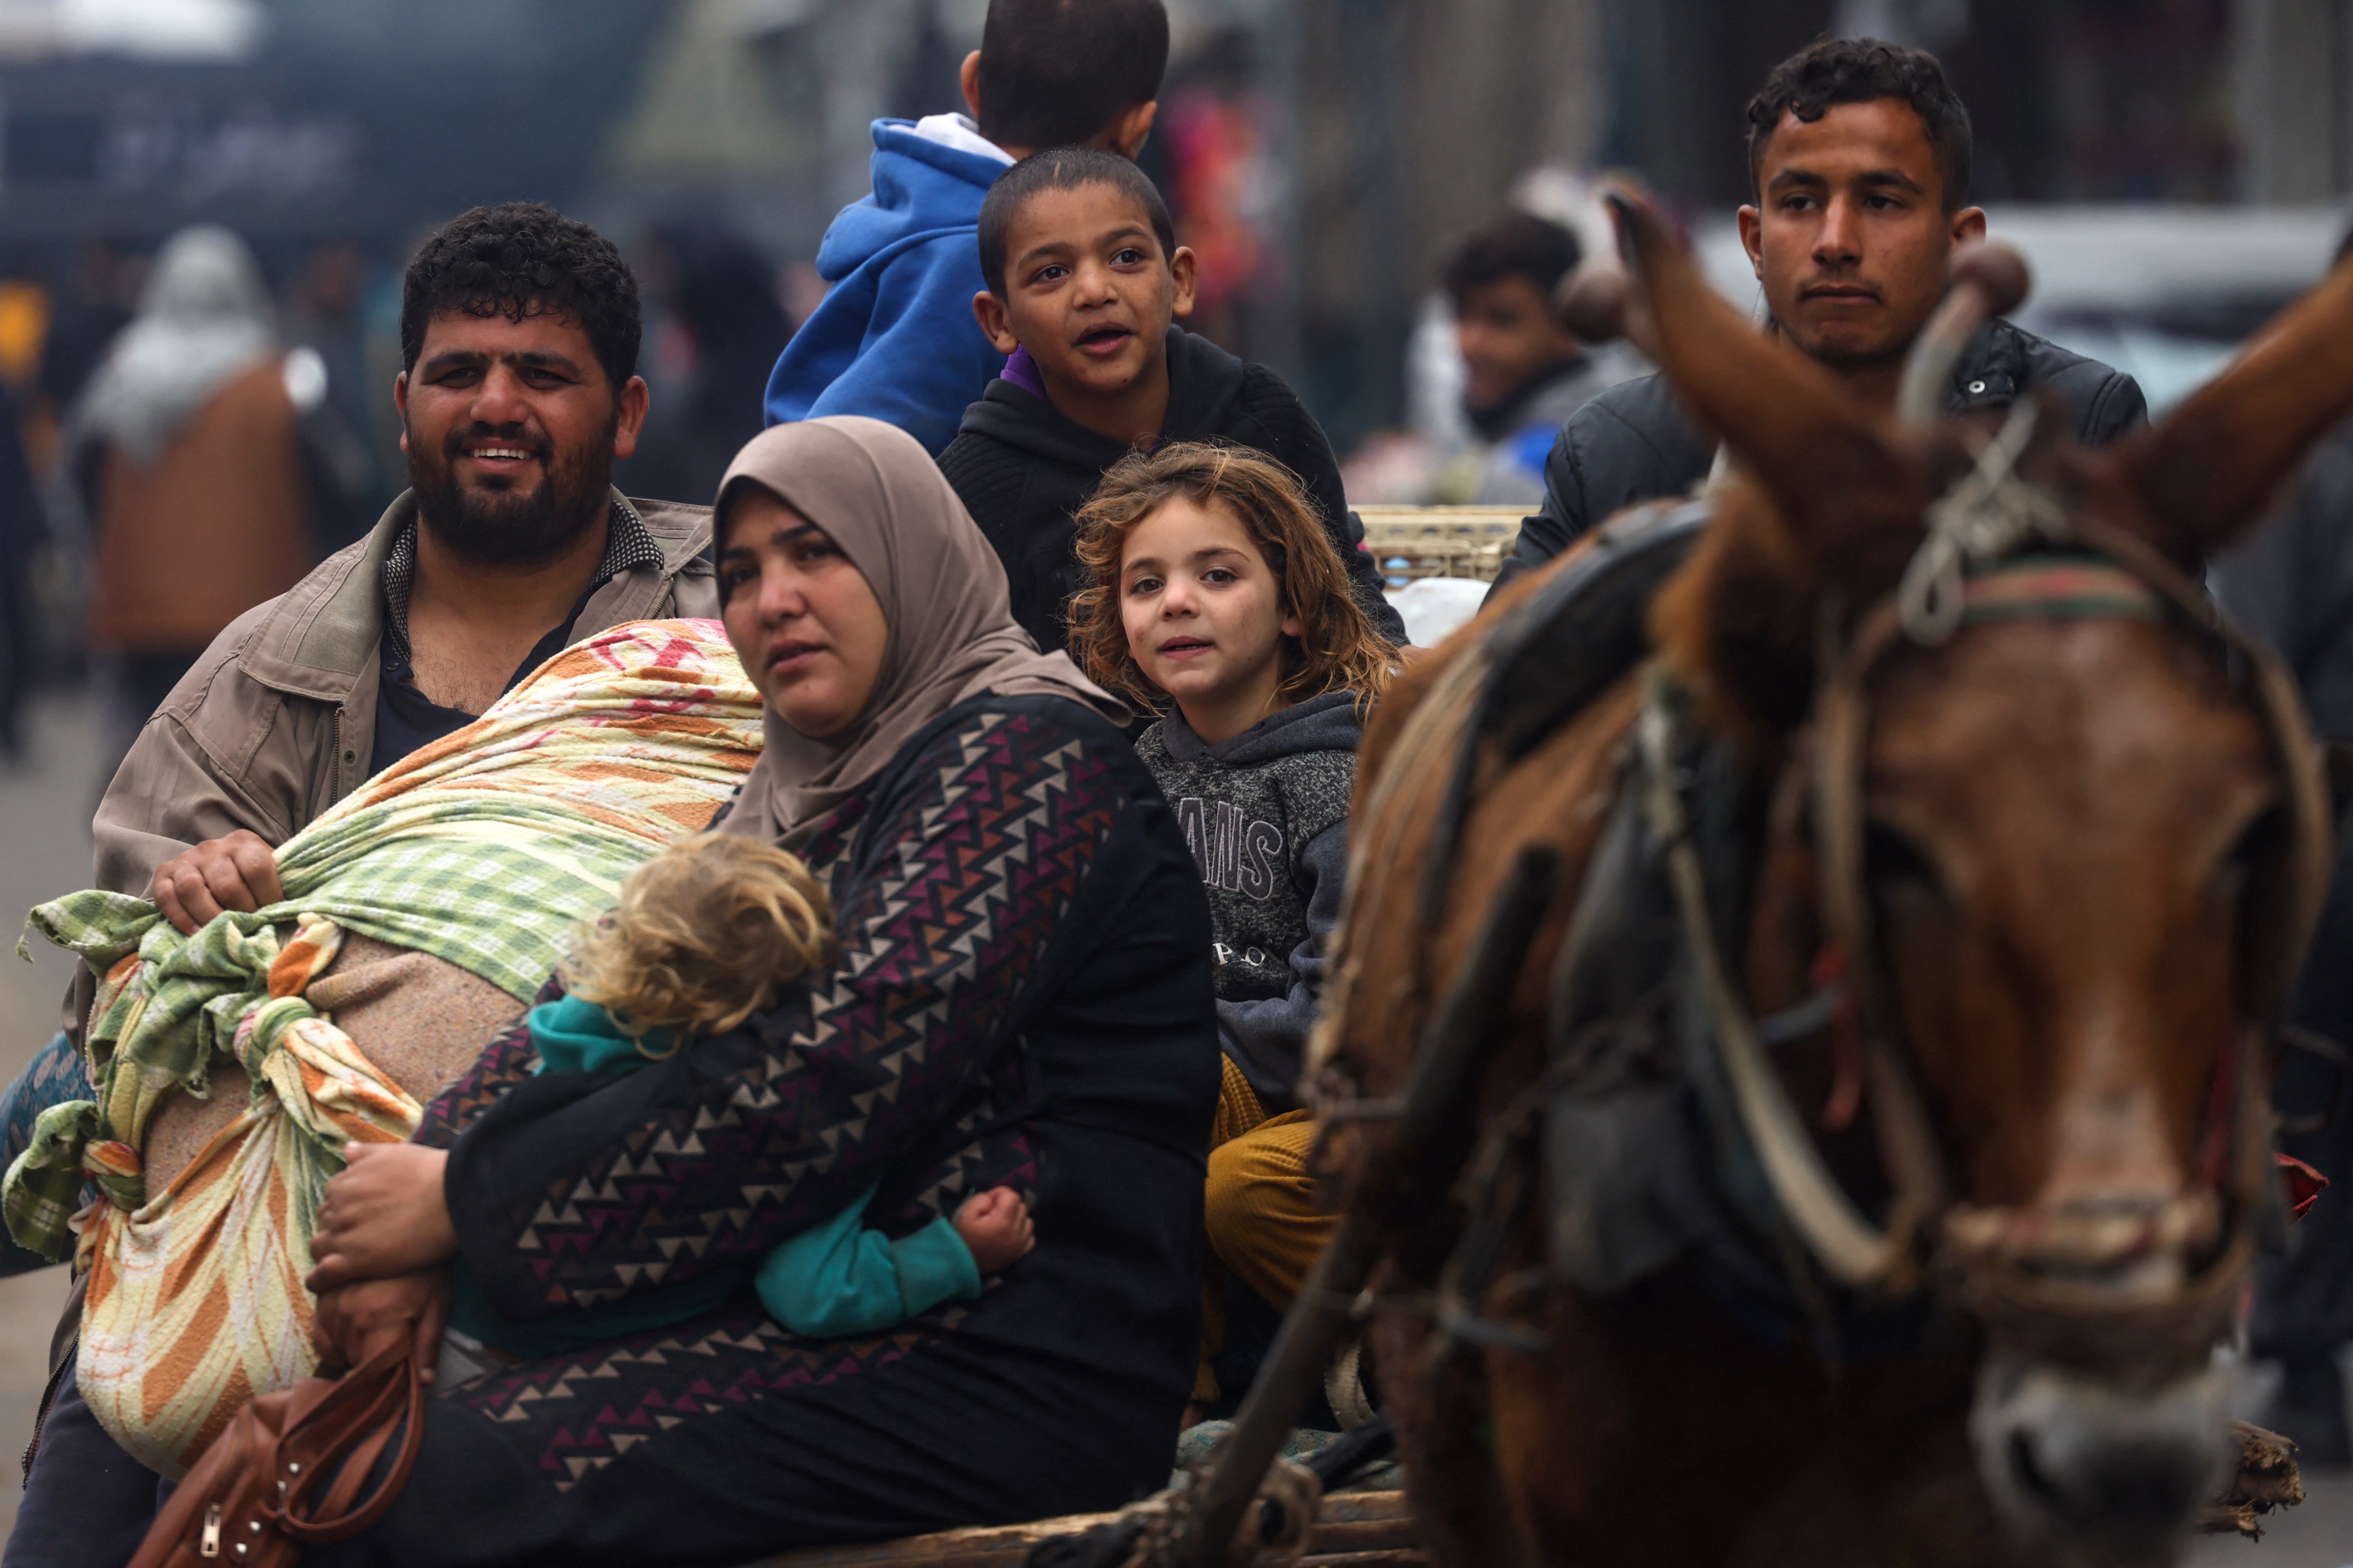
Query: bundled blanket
[{"x": 487, "y": 848}]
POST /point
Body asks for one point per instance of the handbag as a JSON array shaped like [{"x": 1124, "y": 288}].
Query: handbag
[{"x": 254, "y": 1498}]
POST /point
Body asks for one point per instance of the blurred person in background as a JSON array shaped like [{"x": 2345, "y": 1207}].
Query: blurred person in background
[
  {"x": 186, "y": 452},
  {"x": 1524, "y": 374},
  {"x": 101, "y": 293},
  {"x": 1859, "y": 155},
  {"x": 896, "y": 339},
  {"x": 23, "y": 531},
  {"x": 326, "y": 314},
  {"x": 722, "y": 297}
]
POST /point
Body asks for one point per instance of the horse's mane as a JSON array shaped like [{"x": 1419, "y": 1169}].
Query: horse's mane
[{"x": 1736, "y": 626}]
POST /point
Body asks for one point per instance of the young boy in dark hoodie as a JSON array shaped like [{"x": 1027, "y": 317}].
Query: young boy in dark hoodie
[
  {"x": 894, "y": 337},
  {"x": 1086, "y": 279},
  {"x": 1213, "y": 594}
]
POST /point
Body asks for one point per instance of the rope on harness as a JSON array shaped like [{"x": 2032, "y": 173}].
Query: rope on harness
[
  {"x": 1432, "y": 1144},
  {"x": 1142, "y": 1534},
  {"x": 1854, "y": 1250},
  {"x": 1984, "y": 517}
]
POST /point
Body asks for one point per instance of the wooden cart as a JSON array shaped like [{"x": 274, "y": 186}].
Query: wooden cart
[{"x": 1352, "y": 1529}]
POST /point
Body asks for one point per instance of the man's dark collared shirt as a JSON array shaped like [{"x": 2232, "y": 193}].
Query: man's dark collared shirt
[{"x": 405, "y": 718}]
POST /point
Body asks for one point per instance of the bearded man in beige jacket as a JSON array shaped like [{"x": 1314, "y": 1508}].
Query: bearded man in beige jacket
[
  {"x": 520, "y": 330},
  {"x": 519, "y": 335}
]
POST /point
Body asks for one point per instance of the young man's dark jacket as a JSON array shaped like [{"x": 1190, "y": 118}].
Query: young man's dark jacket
[
  {"x": 1635, "y": 443},
  {"x": 1022, "y": 469},
  {"x": 2290, "y": 586}
]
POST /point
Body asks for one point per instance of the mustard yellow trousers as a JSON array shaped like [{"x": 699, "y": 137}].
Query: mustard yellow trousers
[{"x": 1264, "y": 1226}]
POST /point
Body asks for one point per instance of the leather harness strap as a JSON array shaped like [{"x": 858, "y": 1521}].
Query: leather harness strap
[{"x": 1854, "y": 1250}]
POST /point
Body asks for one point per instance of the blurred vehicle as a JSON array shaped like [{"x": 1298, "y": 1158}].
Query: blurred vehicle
[
  {"x": 22, "y": 532},
  {"x": 2166, "y": 294}
]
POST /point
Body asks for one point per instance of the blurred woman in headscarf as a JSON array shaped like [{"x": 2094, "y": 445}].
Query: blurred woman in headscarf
[{"x": 190, "y": 463}]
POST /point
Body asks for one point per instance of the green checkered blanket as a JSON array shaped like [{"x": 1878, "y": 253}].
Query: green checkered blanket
[{"x": 487, "y": 848}]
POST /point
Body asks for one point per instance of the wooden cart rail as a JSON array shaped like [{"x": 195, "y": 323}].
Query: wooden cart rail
[
  {"x": 1410, "y": 542},
  {"x": 1352, "y": 1529}
]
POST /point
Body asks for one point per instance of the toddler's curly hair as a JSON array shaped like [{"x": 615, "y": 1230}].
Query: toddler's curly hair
[
  {"x": 705, "y": 935},
  {"x": 1337, "y": 648}
]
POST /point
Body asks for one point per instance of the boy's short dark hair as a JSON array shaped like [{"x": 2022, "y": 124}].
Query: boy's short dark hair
[
  {"x": 1063, "y": 169},
  {"x": 1513, "y": 244},
  {"x": 520, "y": 259},
  {"x": 1054, "y": 73},
  {"x": 1859, "y": 70}
]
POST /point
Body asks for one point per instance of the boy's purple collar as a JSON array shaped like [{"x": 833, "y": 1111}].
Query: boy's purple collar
[{"x": 1022, "y": 372}]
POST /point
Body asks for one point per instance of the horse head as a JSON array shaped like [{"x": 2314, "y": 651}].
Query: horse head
[{"x": 2058, "y": 831}]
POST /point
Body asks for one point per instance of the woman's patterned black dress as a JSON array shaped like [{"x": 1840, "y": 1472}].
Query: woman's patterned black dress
[{"x": 1023, "y": 996}]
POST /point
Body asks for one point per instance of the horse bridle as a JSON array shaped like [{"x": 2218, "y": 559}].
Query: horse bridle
[{"x": 1997, "y": 1264}]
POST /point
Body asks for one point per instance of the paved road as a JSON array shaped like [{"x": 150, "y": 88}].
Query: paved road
[{"x": 44, "y": 851}]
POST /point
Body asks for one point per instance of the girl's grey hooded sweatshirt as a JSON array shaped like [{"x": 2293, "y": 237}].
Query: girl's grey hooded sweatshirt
[{"x": 1266, "y": 815}]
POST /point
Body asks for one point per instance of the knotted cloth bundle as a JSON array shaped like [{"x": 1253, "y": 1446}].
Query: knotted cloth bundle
[{"x": 487, "y": 848}]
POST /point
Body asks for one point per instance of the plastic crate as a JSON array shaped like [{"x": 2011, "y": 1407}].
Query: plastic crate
[{"x": 1410, "y": 542}]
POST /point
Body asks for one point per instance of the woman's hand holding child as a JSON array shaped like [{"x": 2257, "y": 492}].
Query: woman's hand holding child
[
  {"x": 384, "y": 1215},
  {"x": 995, "y": 1226},
  {"x": 381, "y": 1250}
]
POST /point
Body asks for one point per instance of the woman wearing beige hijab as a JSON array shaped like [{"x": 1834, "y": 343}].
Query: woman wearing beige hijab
[{"x": 1023, "y": 998}]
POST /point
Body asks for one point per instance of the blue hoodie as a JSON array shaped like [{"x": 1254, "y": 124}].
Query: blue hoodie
[{"x": 894, "y": 337}]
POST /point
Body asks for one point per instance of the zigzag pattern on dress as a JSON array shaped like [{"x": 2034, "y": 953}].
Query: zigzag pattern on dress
[
  {"x": 976, "y": 872},
  {"x": 505, "y": 1062},
  {"x": 603, "y": 1402},
  {"x": 967, "y": 872}
]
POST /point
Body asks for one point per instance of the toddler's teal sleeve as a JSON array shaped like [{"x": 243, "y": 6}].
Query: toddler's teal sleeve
[
  {"x": 840, "y": 1278},
  {"x": 573, "y": 1035},
  {"x": 934, "y": 1266}
]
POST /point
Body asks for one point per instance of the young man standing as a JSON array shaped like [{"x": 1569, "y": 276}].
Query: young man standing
[
  {"x": 1859, "y": 152},
  {"x": 1524, "y": 375}
]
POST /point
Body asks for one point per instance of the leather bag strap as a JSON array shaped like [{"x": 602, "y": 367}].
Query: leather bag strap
[{"x": 342, "y": 1433}]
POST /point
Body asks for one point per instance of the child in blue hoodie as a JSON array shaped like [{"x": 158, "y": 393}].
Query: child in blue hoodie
[
  {"x": 894, "y": 337},
  {"x": 705, "y": 935}
]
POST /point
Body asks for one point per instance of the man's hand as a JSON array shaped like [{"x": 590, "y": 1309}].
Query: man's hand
[
  {"x": 357, "y": 1321},
  {"x": 238, "y": 872},
  {"x": 383, "y": 1215}
]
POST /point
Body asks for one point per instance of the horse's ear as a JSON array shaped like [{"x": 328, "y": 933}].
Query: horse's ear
[
  {"x": 1836, "y": 478},
  {"x": 2208, "y": 472}
]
